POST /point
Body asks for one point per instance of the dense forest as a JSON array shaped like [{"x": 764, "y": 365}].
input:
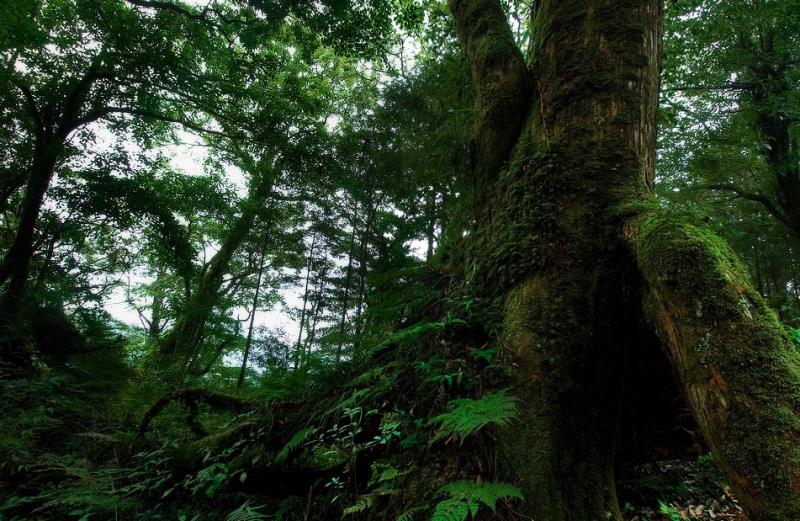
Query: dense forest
[{"x": 400, "y": 260}]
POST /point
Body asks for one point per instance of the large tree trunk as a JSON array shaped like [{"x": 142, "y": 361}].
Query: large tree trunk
[
  {"x": 49, "y": 145},
  {"x": 16, "y": 263},
  {"x": 564, "y": 247}
]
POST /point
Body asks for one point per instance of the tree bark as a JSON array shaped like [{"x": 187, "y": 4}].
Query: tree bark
[
  {"x": 16, "y": 263},
  {"x": 546, "y": 249},
  {"x": 156, "y": 325},
  {"x": 739, "y": 371},
  {"x": 501, "y": 82},
  {"x": 567, "y": 247},
  {"x": 51, "y": 136}
]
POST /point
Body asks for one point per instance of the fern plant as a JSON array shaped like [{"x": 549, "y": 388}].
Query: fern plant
[
  {"x": 383, "y": 477},
  {"x": 247, "y": 512},
  {"x": 468, "y": 416},
  {"x": 294, "y": 443},
  {"x": 466, "y": 498},
  {"x": 410, "y": 514},
  {"x": 366, "y": 501},
  {"x": 410, "y": 334},
  {"x": 669, "y": 511}
]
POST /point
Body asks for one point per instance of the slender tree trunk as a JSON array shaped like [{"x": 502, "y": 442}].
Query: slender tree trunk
[
  {"x": 154, "y": 331},
  {"x": 253, "y": 309},
  {"x": 570, "y": 247},
  {"x": 184, "y": 340},
  {"x": 48, "y": 258},
  {"x": 430, "y": 228},
  {"x": 157, "y": 308},
  {"x": 347, "y": 281},
  {"x": 309, "y": 267},
  {"x": 316, "y": 312},
  {"x": 362, "y": 271}
]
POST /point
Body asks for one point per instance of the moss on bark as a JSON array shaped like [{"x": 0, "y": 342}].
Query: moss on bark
[{"x": 738, "y": 369}]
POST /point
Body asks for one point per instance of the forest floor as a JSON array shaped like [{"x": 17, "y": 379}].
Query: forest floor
[
  {"x": 59, "y": 437},
  {"x": 676, "y": 490}
]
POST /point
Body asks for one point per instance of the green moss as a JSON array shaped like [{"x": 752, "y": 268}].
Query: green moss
[{"x": 740, "y": 371}]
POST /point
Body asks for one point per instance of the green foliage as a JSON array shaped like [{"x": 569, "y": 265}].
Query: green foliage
[
  {"x": 406, "y": 336},
  {"x": 670, "y": 511},
  {"x": 384, "y": 478},
  {"x": 294, "y": 443},
  {"x": 794, "y": 334},
  {"x": 466, "y": 498},
  {"x": 208, "y": 480},
  {"x": 411, "y": 514},
  {"x": 467, "y": 416},
  {"x": 346, "y": 124},
  {"x": 247, "y": 512},
  {"x": 730, "y": 106}
]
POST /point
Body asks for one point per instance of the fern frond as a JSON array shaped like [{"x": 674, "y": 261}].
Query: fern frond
[
  {"x": 410, "y": 334},
  {"x": 467, "y": 497},
  {"x": 246, "y": 513},
  {"x": 363, "y": 503},
  {"x": 469, "y": 416},
  {"x": 410, "y": 514},
  {"x": 366, "y": 501},
  {"x": 382, "y": 472},
  {"x": 454, "y": 510},
  {"x": 294, "y": 443}
]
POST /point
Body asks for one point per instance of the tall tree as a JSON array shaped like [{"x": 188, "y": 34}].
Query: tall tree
[
  {"x": 96, "y": 62},
  {"x": 571, "y": 250}
]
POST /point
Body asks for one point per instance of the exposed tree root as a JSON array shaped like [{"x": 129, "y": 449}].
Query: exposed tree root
[
  {"x": 191, "y": 397},
  {"x": 736, "y": 365}
]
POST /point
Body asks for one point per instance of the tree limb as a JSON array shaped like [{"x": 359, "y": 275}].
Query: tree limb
[
  {"x": 101, "y": 113},
  {"x": 736, "y": 365},
  {"x": 191, "y": 397},
  {"x": 501, "y": 81},
  {"x": 30, "y": 101},
  {"x": 725, "y": 86},
  {"x": 755, "y": 197}
]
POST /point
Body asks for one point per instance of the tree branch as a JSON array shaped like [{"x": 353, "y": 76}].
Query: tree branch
[
  {"x": 755, "y": 197},
  {"x": 169, "y": 6},
  {"x": 189, "y": 396},
  {"x": 94, "y": 115},
  {"x": 501, "y": 81},
  {"x": 724, "y": 86},
  {"x": 30, "y": 101}
]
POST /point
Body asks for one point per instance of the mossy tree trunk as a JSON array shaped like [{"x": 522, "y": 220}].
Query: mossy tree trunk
[
  {"x": 567, "y": 246},
  {"x": 739, "y": 371}
]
